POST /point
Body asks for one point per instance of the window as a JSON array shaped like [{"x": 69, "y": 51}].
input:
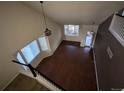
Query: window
[
  {"x": 123, "y": 13},
  {"x": 71, "y": 30},
  {"x": 43, "y": 43},
  {"x": 20, "y": 59},
  {"x": 30, "y": 51}
]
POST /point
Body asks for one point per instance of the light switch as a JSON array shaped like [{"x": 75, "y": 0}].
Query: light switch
[{"x": 110, "y": 54}]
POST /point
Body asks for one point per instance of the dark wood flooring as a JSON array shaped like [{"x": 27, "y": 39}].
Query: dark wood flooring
[{"x": 70, "y": 67}]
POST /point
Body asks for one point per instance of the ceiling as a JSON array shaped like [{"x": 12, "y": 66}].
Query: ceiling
[{"x": 77, "y": 12}]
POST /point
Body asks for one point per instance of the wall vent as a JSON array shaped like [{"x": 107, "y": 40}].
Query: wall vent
[{"x": 117, "y": 28}]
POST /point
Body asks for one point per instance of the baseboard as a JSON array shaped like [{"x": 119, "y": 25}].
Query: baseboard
[
  {"x": 96, "y": 71},
  {"x": 10, "y": 81}
]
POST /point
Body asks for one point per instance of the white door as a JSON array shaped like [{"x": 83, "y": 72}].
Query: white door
[{"x": 89, "y": 39}]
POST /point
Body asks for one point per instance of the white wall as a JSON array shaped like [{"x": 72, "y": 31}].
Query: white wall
[
  {"x": 20, "y": 25},
  {"x": 84, "y": 30},
  {"x": 82, "y": 33}
]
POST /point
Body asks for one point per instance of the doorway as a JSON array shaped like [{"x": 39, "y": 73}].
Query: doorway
[{"x": 89, "y": 39}]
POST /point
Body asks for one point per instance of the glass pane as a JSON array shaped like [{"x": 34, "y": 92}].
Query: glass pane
[
  {"x": 71, "y": 30},
  {"x": 76, "y": 29},
  {"x": 30, "y": 51},
  {"x": 20, "y": 59},
  {"x": 43, "y": 43},
  {"x": 89, "y": 38},
  {"x": 123, "y": 13},
  {"x": 66, "y": 29},
  {"x": 34, "y": 48}
]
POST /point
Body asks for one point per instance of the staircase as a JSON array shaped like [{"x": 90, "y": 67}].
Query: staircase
[{"x": 25, "y": 83}]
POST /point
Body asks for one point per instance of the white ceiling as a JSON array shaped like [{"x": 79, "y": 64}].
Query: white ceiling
[{"x": 77, "y": 12}]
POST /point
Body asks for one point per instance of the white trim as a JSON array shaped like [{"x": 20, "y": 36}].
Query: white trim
[
  {"x": 48, "y": 43},
  {"x": 116, "y": 29},
  {"x": 93, "y": 43},
  {"x": 10, "y": 81},
  {"x": 97, "y": 82}
]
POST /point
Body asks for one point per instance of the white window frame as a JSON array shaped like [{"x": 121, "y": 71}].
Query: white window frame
[
  {"x": 123, "y": 13},
  {"x": 38, "y": 43},
  {"x": 90, "y": 33},
  {"x": 24, "y": 67},
  {"x": 47, "y": 42},
  {"x": 36, "y": 56},
  {"x": 71, "y": 34}
]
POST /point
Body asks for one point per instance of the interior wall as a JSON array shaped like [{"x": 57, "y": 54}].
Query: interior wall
[
  {"x": 19, "y": 25},
  {"x": 82, "y": 33},
  {"x": 110, "y": 71}
]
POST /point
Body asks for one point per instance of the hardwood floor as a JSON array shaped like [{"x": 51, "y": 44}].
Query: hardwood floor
[{"x": 70, "y": 67}]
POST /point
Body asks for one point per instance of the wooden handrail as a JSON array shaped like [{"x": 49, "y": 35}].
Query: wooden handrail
[{"x": 32, "y": 69}]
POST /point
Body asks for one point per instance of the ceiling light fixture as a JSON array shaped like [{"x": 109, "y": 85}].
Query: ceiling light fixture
[{"x": 47, "y": 31}]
